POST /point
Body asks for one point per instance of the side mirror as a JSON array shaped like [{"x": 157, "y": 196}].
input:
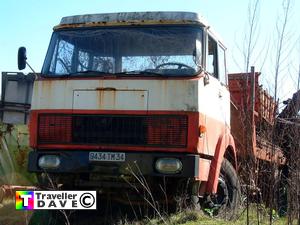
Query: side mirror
[{"x": 22, "y": 58}]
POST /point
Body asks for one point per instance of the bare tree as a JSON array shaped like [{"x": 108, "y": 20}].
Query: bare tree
[
  {"x": 251, "y": 33},
  {"x": 298, "y": 80},
  {"x": 281, "y": 42}
]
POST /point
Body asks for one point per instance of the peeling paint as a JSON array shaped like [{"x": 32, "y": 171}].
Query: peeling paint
[{"x": 180, "y": 95}]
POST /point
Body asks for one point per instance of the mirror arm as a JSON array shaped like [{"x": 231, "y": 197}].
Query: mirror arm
[{"x": 35, "y": 74}]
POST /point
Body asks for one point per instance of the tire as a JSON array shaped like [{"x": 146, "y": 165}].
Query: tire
[{"x": 227, "y": 200}]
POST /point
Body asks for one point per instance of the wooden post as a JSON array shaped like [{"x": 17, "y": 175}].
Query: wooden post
[{"x": 252, "y": 111}]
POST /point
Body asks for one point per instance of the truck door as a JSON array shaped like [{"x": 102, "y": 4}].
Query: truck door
[
  {"x": 224, "y": 91},
  {"x": 216, "y": 96}
]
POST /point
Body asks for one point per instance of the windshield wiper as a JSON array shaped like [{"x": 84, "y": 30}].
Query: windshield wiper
[
  {"x": 94, "y": 73},
  {"x": 140, "y": 72},
  {"x": 89, "y": 72}
]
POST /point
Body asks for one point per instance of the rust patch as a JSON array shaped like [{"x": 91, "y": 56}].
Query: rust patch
[
  {"x": 106, "y": 89},
  {"x": 106, "y": 96},
  {"x": 114, "y": 98},
  {"x": 46, "y": 85}
]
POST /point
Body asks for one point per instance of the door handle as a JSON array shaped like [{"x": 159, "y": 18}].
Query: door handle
[{"x": 220, "y": 94}]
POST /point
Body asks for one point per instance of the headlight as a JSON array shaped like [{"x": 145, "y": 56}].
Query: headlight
[
  {"x": 49, "y": 161},
  {"x": 168, "y": 165}
]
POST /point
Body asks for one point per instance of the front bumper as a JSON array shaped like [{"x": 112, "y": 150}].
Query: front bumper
[{"x": 142, "y": 163}]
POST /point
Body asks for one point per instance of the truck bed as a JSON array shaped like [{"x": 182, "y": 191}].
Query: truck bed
[{"x": 253, "y": 118}]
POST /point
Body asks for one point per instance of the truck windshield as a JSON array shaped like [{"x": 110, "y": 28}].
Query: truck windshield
[{"x": 153, "y": 50}]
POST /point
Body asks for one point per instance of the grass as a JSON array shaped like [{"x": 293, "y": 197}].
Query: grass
[
  {"x": 14, "y": 149},
  {"x": 198, "y": 218},
  {"x": 10, "y": 216},
  {"x": 17, "y": 142}
]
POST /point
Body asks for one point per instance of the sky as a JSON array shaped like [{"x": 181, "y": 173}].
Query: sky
[{"x": 29, "y": 23}]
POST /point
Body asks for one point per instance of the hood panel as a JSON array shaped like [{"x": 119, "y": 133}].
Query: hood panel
[
  {"x": 174, "y": 95},
  {"x": 110, "y": 99}
]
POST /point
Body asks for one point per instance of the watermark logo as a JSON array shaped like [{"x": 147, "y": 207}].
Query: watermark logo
[
  {"x": 29, "y": 200},
  {"x": 24, "y": 200}
]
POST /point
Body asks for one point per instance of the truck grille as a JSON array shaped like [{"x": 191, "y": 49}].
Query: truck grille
[{"x": 153, "y": 130}]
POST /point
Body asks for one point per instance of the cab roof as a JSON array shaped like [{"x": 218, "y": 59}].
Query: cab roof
[
  {"x": 135, "y": 18},
  {"x": 131, "y": 18}
]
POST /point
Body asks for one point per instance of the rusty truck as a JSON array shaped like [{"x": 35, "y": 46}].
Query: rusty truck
[{"x": 131, "y": 100}]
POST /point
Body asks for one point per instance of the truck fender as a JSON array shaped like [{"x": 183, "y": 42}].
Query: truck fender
[{"x": 225, "y": 143}]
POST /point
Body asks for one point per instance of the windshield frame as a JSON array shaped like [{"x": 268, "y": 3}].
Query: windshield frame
[{"x": 142, "y": 73}]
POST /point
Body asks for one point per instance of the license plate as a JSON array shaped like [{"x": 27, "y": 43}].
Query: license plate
[{"x": 107, "y": 156}]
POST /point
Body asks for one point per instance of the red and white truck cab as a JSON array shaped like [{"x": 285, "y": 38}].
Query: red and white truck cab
[{"x": 140, "y": 93}]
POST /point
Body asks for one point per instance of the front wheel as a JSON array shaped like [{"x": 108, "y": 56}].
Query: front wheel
[{"x": 226, "y": 201}]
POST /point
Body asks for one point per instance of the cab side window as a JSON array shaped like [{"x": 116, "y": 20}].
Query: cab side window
[
  {"x": 222, "y": 65},
  {"x": 212, "y": 58}
]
